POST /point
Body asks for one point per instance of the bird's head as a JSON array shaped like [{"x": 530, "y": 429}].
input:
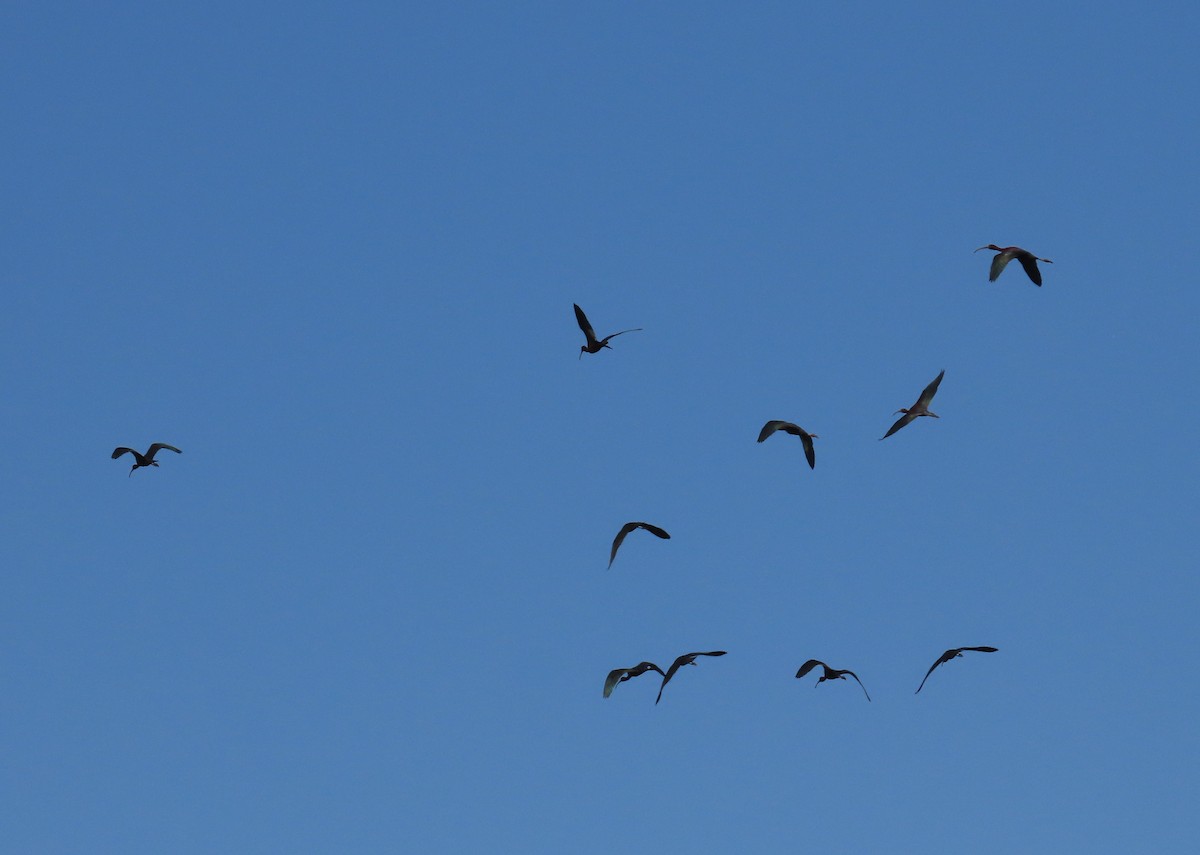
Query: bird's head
[
  {"x": 989, "y": 246},
  {"x": 901, "y": 410}
]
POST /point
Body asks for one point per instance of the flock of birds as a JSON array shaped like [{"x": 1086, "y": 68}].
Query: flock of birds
[
  {"x": 594, "y": 345},
  {"x": 908, "y": 415}
]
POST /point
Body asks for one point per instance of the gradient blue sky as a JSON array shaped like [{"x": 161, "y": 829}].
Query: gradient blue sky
[{"x": 330, "y": 251}]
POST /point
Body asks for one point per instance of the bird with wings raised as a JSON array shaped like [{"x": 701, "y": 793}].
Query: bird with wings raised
[
  {"x": 595, "y": 345},
  {"x": 829, "y": 674},
  {"x": 685, "y": 659},
  {"x": 952, "y": 653},
  {"x": 920, "y": 408},
  {"x": 147, "y": 459}
]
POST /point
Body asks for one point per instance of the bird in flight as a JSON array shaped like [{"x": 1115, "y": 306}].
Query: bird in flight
[
  {"x": 952, "y": 653},
  {"x": 620, "y": 675},
  {"x": 829, "y": 674},
  {"x": 146, "y": 459},
  {"x": 1005, "y": 254},
  {"x": 594, "y": 344},
  {"x": 685, "y": 659},
  {"x": 795, "y": 430},
  {"x": 628, "y": 527},
  {"x": 920, "y": 408}
]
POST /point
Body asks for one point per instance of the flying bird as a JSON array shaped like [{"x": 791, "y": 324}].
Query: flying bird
[
  {"x": 952, "y": 653},
  {"x": 594, "y": 344},
  {"x": 620, "y": 675},
  {"x": 628, "y": 527},
  {"x": 920, "y": 408},
  {"x": 146, "y": 459},
  {"x": 685, "y": 659},
  {"x": 795, "y": 430},
  {"x": 829, "y": 674},
  {"x": 1005, "y": 254}
]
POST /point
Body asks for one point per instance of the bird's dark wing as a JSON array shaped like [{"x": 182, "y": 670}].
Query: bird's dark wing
[
  {"x": 583, "y": 324},
  {"x": 929, "y": 391},
  {"x": 614, "y": 677},
  {"x": 864, "y": 688},
  {"x": 117, "y": 452},
  {"x": 999, "y": 262},
  {"x": 622, "y": 332},
  {"x": 808, "y": 666},
  {"x": 682, "y": 660},
  {"x": 619, "y": 539},
  {"x": 158, "y": 446},
  {"x": 809, "y": 452},
  {"x": 900, "y": 422},
  {"x": 774, "y": 425},
  {"x": 1029, "y": 262},
  {"x": 655, "y": 530},
  {"x": 945, "y": 657}
]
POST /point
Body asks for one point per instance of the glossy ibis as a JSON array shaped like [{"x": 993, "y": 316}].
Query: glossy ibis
[
  {"x": 952, "y": 653},
  {"x": 830, "y": 674},
  {"x": 1005, "y": 254},
  {"x": 146, "y": 459},
  {"x": 920, "y": 408},
  {"x": 795, "y": 430},
  {"x": 628, "y": 527},
  {"x": 685, "y": 659},
  {"x": 620, "y": 675},
  {"x": 594, "y": 344}
]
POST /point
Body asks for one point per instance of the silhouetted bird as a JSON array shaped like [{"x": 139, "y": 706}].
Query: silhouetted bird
[
  {"x": 146, "y": 459},
  {"x": 620, "y": 675},
  {"x": 920, "y": 408},
  {"x": 795, "y": 430},
  {"x": 685, "y": 659},
  {"x": 594, "y": 344},
  {"x": 830, "y": 674},
  {"x": 1005, "y": 254},
  {"x": 952, "y": 653},
  {"x": 628, "y": 527}
]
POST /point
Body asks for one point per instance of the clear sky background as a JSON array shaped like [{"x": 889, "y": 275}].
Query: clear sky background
[{"x": 330, "y": 251}]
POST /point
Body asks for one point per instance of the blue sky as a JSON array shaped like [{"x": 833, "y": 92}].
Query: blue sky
[{"x": 330, "y": 252}]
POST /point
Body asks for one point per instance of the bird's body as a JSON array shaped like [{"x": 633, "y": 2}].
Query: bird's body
[
  {"x": 620, "y": 675},
  {"x": 594, "y": 345},
  {"x": 920, "y": 408},
  {"x": 1005, "y": 254},
  {"x": 952, "y": 653},
  {"x": 628, "y": 527},
  {"x": 685, "y": 659},
  {"x": 829, "y": 674},
  {"x": 146, "y": 459},
  {"x": 806, "y": 438}
]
